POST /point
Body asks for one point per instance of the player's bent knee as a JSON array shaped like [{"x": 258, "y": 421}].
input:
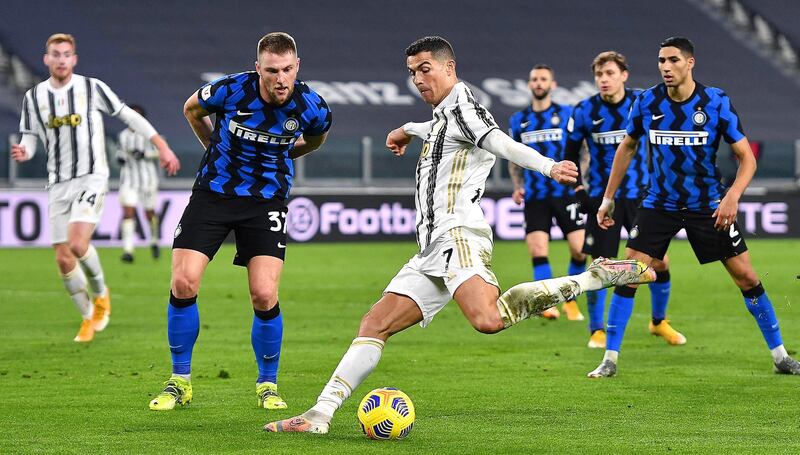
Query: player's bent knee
[
  {"x": 264, "y": 299},
  {"x": 487, "y": 324},
  {"x": 184, "y": 287},
  {"x": 78, "y": 247}
]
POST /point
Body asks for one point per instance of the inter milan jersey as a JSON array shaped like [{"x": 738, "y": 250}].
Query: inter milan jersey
[
  {"x": 249, "y": 150},
  {"x": 543, "y": 131},
  {"x": 684, "y": 137},
  {"x": 603, "y": 126}
]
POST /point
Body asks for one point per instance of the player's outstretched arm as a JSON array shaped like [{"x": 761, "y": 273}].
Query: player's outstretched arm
[
  {"x": 140, "y": 125},
  {"x": 729, "y": 206},
  {"x": 622, "y": 160},
  {"x": 500, "y": 144},
  {"x": 306, "y": 145},
  {"x": 517, "y": 179},
  {"x": 398, "y": 139}
]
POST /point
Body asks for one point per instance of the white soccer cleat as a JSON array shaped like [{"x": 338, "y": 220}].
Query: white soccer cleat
[
  {"x": 606, "y": 369},
  {"x": 613, "y": 272}
]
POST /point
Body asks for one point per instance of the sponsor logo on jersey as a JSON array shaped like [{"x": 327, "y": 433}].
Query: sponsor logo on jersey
[
  {"x": 72, "y": 120},
  {"x": 690, "y": 138},
  {"x": 254, "y": 135},
  {"x": 548, "y": 135},
  {"x": 609, "y": 137},
  {"x": 634, "y": 232}
]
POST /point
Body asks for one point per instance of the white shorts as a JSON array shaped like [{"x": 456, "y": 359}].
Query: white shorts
[
  {"x": 130, "y": 197},
  {"x": 431, "y": 278},
  {"x": 77, "y": 200}
]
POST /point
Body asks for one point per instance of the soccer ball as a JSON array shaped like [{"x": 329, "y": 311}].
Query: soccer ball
[{"x": 386, "y": 413}]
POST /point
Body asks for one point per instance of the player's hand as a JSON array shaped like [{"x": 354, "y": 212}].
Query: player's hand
[
  {"x": 564, "y": 172},
  {"x": 583, "y": 200},
  {"x": 168, "y": 160},
  {"x": 18, "y": 153},
  {"x": 518, "y": 195},
  {"x": 726, "y": 212},
  {"x": 605, "y": 214},
  {"x": 397, "y": 140}
]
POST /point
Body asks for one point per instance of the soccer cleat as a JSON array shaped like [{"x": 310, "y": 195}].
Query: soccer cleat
[
  {"x": 102, "y": 311},
  {"x": 573, "y": 312},
  {"x": 85, "y": 333},
  {"x": 551, "y": 313},
  {"x": 613, "y": 272},
  {"x": 598, "y": 339},
  {"x": 268, "y": 397},
  {"x": 299, "y": 424},
  {"x": 606, "y": 369},
  {"x": 127, "y": 258},
  {"x": 665, "y": 331},
  {"x": 155, "y": 251},
  {"x": 787, "y": 365},
  {"x": 176, "y": 391}
]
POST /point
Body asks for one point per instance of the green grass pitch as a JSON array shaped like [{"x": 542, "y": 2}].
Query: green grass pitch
[{"x": 523, "y": 390}]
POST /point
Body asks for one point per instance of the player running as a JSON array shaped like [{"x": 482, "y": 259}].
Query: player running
[
  {"x": 684, "y": 121},
  {"x": 542, "y": 126},
  {"x": 454, "y": 239},
  {"x": 600, "y": 120},
  {"x": 264, "y": 120},
  {"x": 64, "y": 112},
  {"x": 138, "y": 184}
]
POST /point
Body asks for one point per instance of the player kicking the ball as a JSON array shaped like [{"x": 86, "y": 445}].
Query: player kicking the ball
[{"x": 455, "y": 240}]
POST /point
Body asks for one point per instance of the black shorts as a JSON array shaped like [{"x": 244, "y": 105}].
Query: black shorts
[
  {"x": 259, "y": 225},
  {"x": 653, "y": 229},
  {"x": 605, "y": 242},
  {"x": 539, "y": 214}
]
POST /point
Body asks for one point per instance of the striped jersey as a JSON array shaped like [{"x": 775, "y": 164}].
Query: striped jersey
[
  {"x": 684, "y": 138},
  {"x": 603, "y": 125},
  {"x": 249, "y": 150},
  {"x": 545, "y": 132},
  {"x": 452, "y": 168},
  {"x": 140, "y": 168},
  {"x": 69, "y": 123}
]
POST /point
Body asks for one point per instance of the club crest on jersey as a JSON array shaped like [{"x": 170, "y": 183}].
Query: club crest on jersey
[
  {"x": 291, "y": 125},
  {"x": 699, "y": 118},
  {"x": 265, "y": 137},
  {"x": 634, "y": 232},
  {"x": 555, "y": 120}
]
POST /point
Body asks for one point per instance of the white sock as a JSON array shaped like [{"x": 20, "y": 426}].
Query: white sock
[
  {"x": 75, "y": 282},
  {"x": 611, "y": 355},
  {"x": 127, "y": 235},
  {"x": 187, "y": 377},
  {"x": 778, "y": 353},
  {"x": 90, "y": 263},
  {"x": 356, "y": 364},
  {"x": 155, "y": 228},
  {"x": 527, "y": 299}
]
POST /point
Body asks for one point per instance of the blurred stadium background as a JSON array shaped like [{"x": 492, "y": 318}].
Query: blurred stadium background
[{"x": 157, "y": 53}]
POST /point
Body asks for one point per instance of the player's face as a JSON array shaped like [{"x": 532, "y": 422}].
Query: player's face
[
  {"x": 610, "y": 79},
  {"x": 277, "y": 72},
  {"x": 540, "y": 82},
  {"x": 675, "y": 67},
  {"x": 433, "y": 78},
  {"x": 60, "y": 60}
]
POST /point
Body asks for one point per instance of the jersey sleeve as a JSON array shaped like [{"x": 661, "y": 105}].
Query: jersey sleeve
[
  {"x": 635, "y": 126},
  {"x": 212, "y": 95},
  {"x": 729, "y": 122},
  {"x": 321, "y": 122},
  {"x": 106, "y": 100},
  {"x": 474, "y": 122},
  {"x": 28, "y": 124},
  {"x": 513, "y": 127},
  {"x": 576, "y": 125}
]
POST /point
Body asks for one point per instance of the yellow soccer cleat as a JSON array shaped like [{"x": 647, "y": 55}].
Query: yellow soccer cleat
[
  {"x": 85, "y": 333},
  {"x": 102, "y": 311},
  {"x": 177, "y": 391},
  {"x": 268, "y": 397},
  {"x": 598, "y": 339},
  {"x": 665, "y": 331},
  {"x": 551, "y": 313},
  {"x": 573, "y": 312},
  {"x": 299, "y": 424}
]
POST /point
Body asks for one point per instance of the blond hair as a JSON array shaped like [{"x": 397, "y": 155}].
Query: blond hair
[
  {"x": 57, "y": 38},
  {"x": 610, "y": 56}
]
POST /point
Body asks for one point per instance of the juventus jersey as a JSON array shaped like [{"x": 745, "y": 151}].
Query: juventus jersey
[
  {"x": 68, "y": 121},
  {"x": 140, "y": 157},
  {"x": 452, "y": 169}
]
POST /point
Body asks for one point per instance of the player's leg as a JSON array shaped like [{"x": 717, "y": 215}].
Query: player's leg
[
  {"x": 659, "y": 298},
  {"x": 538, "y": 221},
  {"x": 149, "y": 197},
  {"x": 128, "y": 198},
  {"x": 572, "y": 225}
]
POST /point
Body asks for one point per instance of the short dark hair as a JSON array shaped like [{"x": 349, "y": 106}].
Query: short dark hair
[
  {"x": 277, "y": 43},
  {"x": 610, "y": 56},
  {"x": 436, "y": 45},
  {"x": 138, "y": 109},
  {"x": 544, "y": 66},
  {"x": 684, "y": 44}
]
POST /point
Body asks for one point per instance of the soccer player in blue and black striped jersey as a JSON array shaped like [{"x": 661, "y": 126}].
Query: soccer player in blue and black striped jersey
[
  {"x": 601, "y": 120},
  {"x": 264, "y": 119},
  {"x": 542, "y": 126},
  {"x": 684, "y": 121}
]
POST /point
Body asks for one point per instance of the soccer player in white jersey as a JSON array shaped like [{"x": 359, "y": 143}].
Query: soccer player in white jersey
[
  {"x": 455, "y": 241},
  {"x": 64, "y": 112},
  {"x": 138, "y": 184}
]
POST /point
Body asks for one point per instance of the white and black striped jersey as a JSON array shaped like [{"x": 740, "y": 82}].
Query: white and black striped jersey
[
  {"x": 68, "y": 120},
  {"x": 452, "y": 168},
  {"x": 140, "y": 161}
]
